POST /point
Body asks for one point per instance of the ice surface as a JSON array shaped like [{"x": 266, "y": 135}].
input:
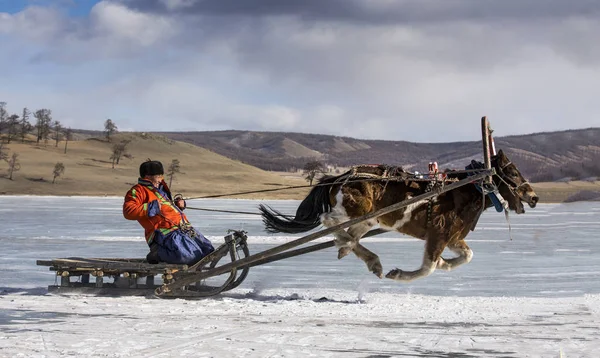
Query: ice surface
[{"x": 537, "y": 295}]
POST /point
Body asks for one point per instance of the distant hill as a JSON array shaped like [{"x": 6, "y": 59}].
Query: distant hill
[
  {"x": 556, "y": 158},
  {"x": 550, "y": 156}
]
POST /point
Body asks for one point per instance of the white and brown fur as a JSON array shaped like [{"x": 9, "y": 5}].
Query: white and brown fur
[{"x": 453, "y": 214}]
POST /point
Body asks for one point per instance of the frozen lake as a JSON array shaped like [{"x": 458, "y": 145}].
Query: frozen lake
[
  {"x": 534, "y": 296},
  {"x": 555, "y": 251}
]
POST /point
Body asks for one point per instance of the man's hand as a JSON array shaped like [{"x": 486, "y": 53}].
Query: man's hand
[{"x": 180, "y": 203}]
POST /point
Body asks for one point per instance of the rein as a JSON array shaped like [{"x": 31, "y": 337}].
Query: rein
[
  {"x": 344, "y": 179},
  {"x": 275, "y": 189},
  {"x": 225, "y": 211},
  {"x": 364, "y": 178}
]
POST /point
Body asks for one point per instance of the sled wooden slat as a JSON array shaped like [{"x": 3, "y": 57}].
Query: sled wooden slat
[{"x": 74, "y": 263}]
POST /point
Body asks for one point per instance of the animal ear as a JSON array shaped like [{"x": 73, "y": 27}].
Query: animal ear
[{"x": 500, "y": 156}]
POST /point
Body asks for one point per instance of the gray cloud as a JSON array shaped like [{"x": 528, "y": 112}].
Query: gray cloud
[
  {"x": 379, "y": 12},
  {"x": 406, "y": 70}
]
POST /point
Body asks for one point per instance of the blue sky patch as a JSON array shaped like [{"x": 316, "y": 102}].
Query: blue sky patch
[{"x": 72, "y": 7}]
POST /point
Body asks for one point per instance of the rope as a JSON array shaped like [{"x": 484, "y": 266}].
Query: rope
[
  {"x": 223, "y": 211},
  {"x": 326, "y": 184},
  {"x": 234, "y": 212},
  {"x": 387, "y": 179},
  {"x": 248, "y": 192},
  {"x": 276, "y": 189}
]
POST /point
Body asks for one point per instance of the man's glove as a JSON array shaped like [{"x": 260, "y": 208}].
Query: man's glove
[{"x": 178, "y": 200}]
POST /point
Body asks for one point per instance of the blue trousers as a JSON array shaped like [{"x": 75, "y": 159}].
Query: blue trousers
[{"x": 178, "y": 247}]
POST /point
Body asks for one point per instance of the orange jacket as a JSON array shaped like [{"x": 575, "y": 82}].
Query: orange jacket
[{"x": 136, "y": 203}]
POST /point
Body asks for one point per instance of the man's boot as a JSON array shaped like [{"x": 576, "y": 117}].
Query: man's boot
[{"x": 152, "y": 257}]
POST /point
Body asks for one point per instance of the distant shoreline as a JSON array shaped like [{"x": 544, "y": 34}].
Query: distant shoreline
[
  {"x": 549, "y": 193},
  {"x": 119, "y": 197},
  {"x": 88, "y": 172}
]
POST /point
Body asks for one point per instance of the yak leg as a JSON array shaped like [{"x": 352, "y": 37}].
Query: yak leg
[
  {"x": 433, "y": 253},
  {"x": 465, "y": 254},
  {"x": 347, "y": 241},
  {"x": 370, "y": 259},
  {"x": 343, "y": 241}
]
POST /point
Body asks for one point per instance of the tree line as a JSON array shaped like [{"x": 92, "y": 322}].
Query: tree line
[{"x": 17, "y": 127}]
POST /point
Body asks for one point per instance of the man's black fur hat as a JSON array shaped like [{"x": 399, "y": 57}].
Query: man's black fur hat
[{"x": 151, "y": 167}]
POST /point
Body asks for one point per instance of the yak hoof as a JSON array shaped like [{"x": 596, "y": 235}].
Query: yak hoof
[
  {"x": 343, "y": 252},
  {"x": 395, "y": 274},
  {"x": 376, "y": 268}
]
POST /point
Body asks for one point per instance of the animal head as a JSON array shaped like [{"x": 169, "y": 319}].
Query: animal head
[{"x": 511, "y": 184}]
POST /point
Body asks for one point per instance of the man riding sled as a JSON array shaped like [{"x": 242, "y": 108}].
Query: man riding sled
[{"x": 169, "y": 234}]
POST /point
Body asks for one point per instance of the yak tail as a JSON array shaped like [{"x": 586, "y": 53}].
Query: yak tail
[{"x": 307, "y": 215}]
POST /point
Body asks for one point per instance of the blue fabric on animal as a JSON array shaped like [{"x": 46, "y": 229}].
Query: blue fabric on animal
[
  {"x": 491, "y": 191},
  {"x": 178, "y": 248}
]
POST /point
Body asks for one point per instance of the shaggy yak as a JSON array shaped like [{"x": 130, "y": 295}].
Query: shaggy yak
[{"x": 443, "y": 221}]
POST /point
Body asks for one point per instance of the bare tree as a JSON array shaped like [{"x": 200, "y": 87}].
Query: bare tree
[
  {"x": 68, "y": 137},
  {"x": 124, "y": 150},
  {"x": 3, "y": 152},
  {"x": 39, "y": 123},
  {"x": 3, "y": 117},
  {"x": 25, "y": 127},
  {"x": 47, "y": 129},
  {"x": 43, "y": 119},
  {"x": 59, "y": 169},
  {"x": 173, "y": 169},
  {"x": 311, "y": 169},
  {"x": 57, "y": 132},
  {"x": 13, "y": 127},
  {"x": 114, "y": 155},
  {"x": 13, "y": 165},
  {"x": 110, "y": 128},
  {"x": 118, "y": 151}
]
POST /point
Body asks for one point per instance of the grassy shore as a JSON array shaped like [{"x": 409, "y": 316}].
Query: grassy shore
[
  {"x": 89, "y": 171},
  {"x": 558, "y": 192}
]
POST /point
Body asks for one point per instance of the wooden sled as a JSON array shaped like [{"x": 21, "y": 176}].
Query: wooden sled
[{"x": 136, "y": 277}]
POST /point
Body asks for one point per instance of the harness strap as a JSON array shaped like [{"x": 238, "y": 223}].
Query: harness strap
[
  {"x": 491, "y": 191},
  {"x": 431, "y": 186},
  {"x": 515, "y": 187}
]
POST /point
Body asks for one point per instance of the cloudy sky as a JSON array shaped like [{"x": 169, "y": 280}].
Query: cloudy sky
[{"x": 416, "y": 70}]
